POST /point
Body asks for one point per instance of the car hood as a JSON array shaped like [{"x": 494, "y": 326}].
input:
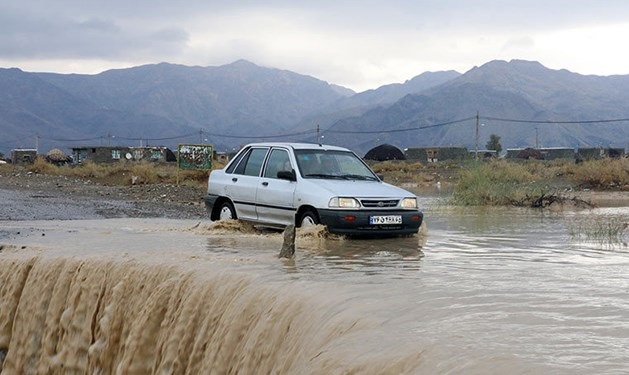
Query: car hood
[{"x": 358, "y": 188}]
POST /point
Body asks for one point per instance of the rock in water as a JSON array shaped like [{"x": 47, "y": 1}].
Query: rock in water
[
  {"x": 3, "y": 355},
  {"x": 288, "y": 247}
]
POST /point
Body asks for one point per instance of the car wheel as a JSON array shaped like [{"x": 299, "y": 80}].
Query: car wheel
[
  {"x": 227, "y": 211},
  {"x": 308, "y": 218}
]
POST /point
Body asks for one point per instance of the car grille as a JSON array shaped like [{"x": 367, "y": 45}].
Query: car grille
[{"x": 379, "y": 203}]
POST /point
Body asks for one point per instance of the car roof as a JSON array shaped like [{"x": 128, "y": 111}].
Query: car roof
[{"x": 298, "y": 146}]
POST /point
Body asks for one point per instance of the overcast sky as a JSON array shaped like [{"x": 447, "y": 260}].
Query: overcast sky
[{"x": 357, "y": 44}]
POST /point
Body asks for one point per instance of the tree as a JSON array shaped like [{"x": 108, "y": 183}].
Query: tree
[{"x": 494, "y": 143}]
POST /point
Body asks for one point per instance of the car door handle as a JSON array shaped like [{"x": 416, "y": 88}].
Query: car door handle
[
  {"x": 234, "y": 179},
  {"x": 265, "y": 183}
]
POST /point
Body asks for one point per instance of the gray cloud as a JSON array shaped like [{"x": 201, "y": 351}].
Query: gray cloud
[
  {"x": 363, "y": 41},
  {"x": 31, "y": 36}
]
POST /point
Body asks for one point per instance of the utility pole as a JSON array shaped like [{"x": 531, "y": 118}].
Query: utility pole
[
  {"x": 536, "y": 139},
  {"x": 36, "y": 143},
  {"x": 318, "y": 134},
  {"x": 477, "y": 125},
  {"x": 201, "y": 136}
]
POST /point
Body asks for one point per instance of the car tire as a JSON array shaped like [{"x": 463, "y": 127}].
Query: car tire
[
  {"x": 308, "y": 218},
  {"x": 227, "y": 211}
]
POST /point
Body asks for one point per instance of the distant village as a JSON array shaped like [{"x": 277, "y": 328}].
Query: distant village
[{"x": 113, "y": 154}]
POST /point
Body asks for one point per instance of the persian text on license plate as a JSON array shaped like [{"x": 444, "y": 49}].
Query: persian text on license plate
[{"x": 388, "y": 219}]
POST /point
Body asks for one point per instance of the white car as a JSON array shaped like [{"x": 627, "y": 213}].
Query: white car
[{"x": 280, "y": 184}]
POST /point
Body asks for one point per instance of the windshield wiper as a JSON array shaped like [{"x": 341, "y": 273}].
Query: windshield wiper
[
  {"x": 322, "y": 175},
  {"x": 358, "y": 177}
]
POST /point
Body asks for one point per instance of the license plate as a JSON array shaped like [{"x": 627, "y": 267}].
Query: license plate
[{"x": 388, "y": 219}]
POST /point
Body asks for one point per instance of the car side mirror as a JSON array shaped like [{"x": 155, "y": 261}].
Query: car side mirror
[
  {"x": 287, "y": 175},
  {"x": 381, "y": 177}
]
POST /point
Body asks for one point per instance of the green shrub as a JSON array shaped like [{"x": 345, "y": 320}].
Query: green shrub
[{"x": 494, "y": 183}]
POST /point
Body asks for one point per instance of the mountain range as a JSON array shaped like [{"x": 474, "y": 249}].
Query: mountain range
[{"x": 523, "y": 102}]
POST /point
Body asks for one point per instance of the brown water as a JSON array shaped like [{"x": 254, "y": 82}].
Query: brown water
[{"x": 481, "y": 292}]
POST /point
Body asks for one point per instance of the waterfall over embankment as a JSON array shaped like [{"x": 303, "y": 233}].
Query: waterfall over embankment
[{"x": 100, "y": 316}]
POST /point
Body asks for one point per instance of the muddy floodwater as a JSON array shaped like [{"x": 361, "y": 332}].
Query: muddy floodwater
[{"x": 481, "y": 291}]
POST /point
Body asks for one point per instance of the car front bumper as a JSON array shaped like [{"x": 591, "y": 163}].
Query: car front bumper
[{"x": 356, "y": 222}]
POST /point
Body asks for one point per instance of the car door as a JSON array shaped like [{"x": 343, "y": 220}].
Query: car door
[
  {"x": 244, "y": 181},
  {"x": 275, "y": 196}
]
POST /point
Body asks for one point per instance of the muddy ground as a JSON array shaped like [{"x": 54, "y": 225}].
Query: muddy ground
[{"x": 32, "y": 196}]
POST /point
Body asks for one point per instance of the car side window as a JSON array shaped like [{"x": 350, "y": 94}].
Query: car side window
[
  {"x": 234, "y": 163},
  {"x": 252, "y": 162},
  {"x": 278, "y": 161}
]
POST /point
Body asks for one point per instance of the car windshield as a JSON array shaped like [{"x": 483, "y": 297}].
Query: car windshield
[{"x": 332, "y": 164}]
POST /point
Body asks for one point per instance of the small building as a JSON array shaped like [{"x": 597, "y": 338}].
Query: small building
[
  {"x": 567, "y": 153},
  {"x": 113, "y": 154},
  {"x": 512, "y": 153},
  {"x": 437, "y": 153},
  {"x": 23, "y": 156},
  {"x": 588, "y": 153},
  {"x": 484, "y": 154},
  {"x": 524, "y": 153},
  {"x": 554, "y": 153}
]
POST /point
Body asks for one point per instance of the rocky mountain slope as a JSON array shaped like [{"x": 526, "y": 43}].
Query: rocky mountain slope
[{"x": 229, "y": 105}]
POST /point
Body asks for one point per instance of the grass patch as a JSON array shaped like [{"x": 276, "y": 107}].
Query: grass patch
[
  {"x": 496, "y": 183},
  {"x": 143, "y": 173},
  {"x": 603, "y": 230},
  {"x": 123, "y": 173},
  {"x": 535, "y": 183},
  {"x": 601, "y": 174},
  {"x": 399, "y": 172},
  {"x": 40, "y": 165}
]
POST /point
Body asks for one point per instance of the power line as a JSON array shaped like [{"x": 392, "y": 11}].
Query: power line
[
  {"x": 401, "y": 130},
  {"x": 155, "y": 139},
  {"x": 328, "y": 130},
  {"x": 177, "y": 137},
  {"x": 71, "y": 140},
  {"x": 261, "y": 136},
  {"x": 554, "y": 122}
]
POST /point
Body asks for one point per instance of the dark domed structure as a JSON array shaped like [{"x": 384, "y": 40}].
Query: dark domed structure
[{"x": 385, "y": 152}]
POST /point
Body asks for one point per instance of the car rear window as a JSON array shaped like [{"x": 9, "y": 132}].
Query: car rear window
[
  {"x": 234, "y": 163},
  {"x": 252, "y": 162}
]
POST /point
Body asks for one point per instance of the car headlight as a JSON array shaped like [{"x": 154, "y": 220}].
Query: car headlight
[
  {"x": 343, "y": 202},
  {"x": 409, "y": 203}
]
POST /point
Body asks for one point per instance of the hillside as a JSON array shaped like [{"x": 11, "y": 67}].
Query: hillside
[
  {"x": 516, "y": 90},
  {"x": 229, "y": 105},
  {"x": 162, "y": 103},
  {"x": 31, "y": 108}
]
